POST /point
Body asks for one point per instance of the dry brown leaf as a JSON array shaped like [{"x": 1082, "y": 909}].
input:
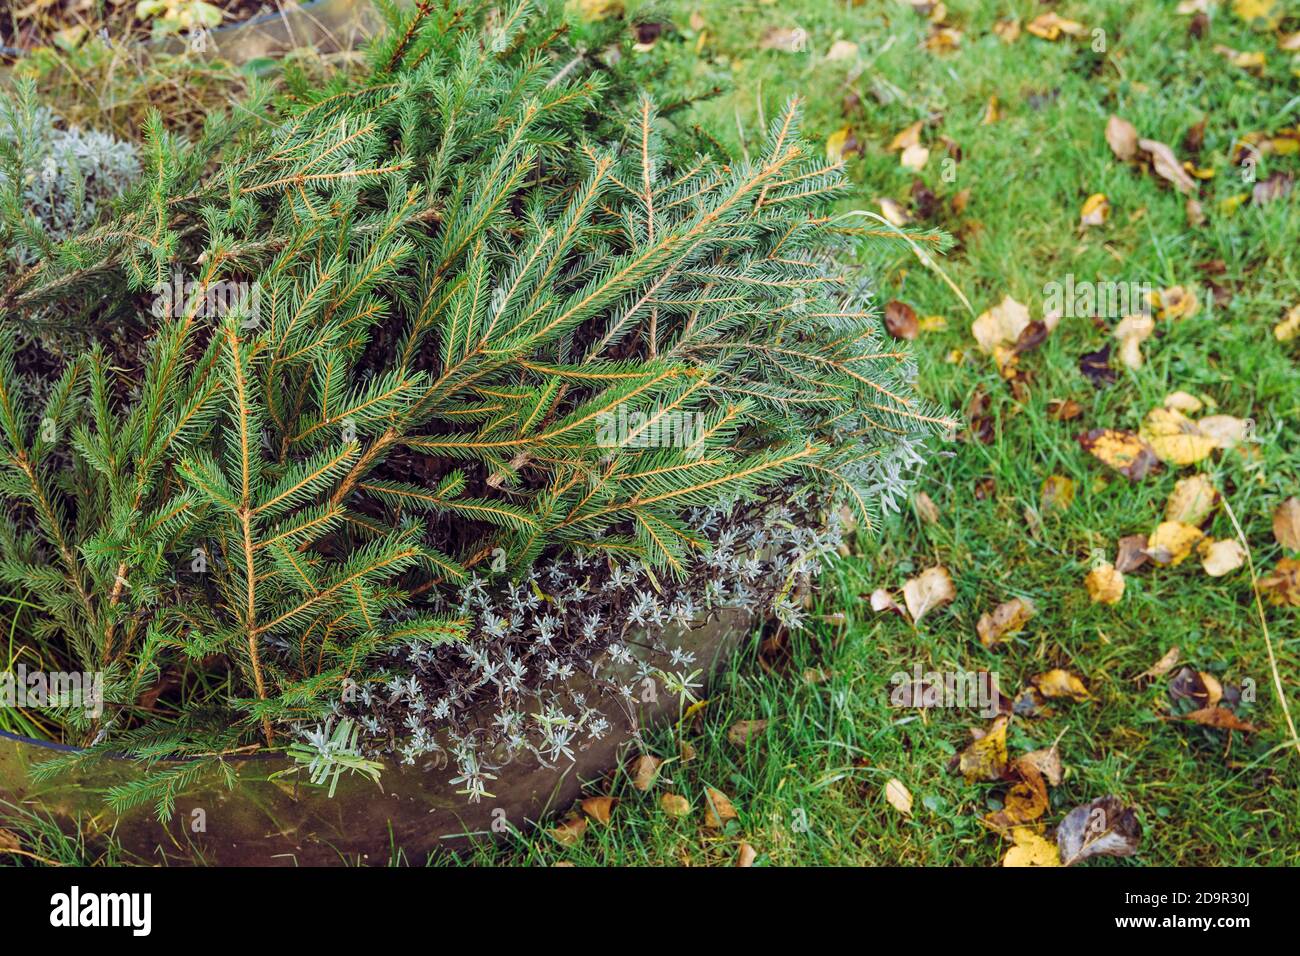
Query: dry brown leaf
[
  {"x": 1172, "y": 542},
  {"x": 1000, "y": 325},
  {"x": 926, "y": 508},
  {"x": 1175, "y": 302},
  {"x": 718, "y": 809},
  {"x": 785, "y": 39},
  {"x": 1050, "y": 26},
  {"x": 746, "y": 855},
  {"x": 1226, "y": 431},
  {"x": 914, "y": 158},
  {"x": 1132, "y": 331},
  {"x": 1175, "y": 438},
  {"x": 675, "y": 805},
  {"x": 1220, "y": 718},
  {"x": 882, "y": 600},
  {"x": 899, "y": 797},
  {"x": 1167, "y": 167},
  {"x": 1131, "y": 553},
  {"x": 1289, "y": 327},
  {"x": 570, "y": 832},
  {"x": 1064, "y": 409},
  {"x": 1105, "y": 584},
  {"x": 9, "y": 840},
  {"x": 1221, "y": 557},
  {"x": 931, "y": 589},
  {"x": 1007, "y": 618},
  {"x": 1047, "y": 762},
  {"x": 906, "y": 138},
  {"x": 1286, "y": 524},
  {"x": 598, "y": 808},
  {"x": 1192, "y": 500},
  {"x": 1122, "y": 136},
  {"x": 1161, "y": 667},
  {"x": 1056, "y": 493},
  {"x": 1104, "y": 827},
  {"x": 1031, "y": 849},
  {"x": 1024, "y": 802},
  {"x": 1060, "y": 683},
  {"x": 1008, "y": 31},
  {"x": 1095, "y": 211},
  {"x": 743, "y": 731},
  {"x": 645, "y": 771},
  {"x": 986, "y": 757},
  {"x": 1124, "y": 451},
  {"x": 1282, "y": 584},
  {"x": 900, "y": 320}
]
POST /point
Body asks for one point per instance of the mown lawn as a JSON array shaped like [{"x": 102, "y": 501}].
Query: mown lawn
[{"x": 810, "y": 790}]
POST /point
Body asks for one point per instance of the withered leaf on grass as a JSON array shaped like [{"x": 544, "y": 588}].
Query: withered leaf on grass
[
  {"x": 1286, "y": 524},
  {"x": 1122, "y": 136},
  {"x": 1050, "y": 26},
  {"x": 1095, "y": 367},
  {"x": 1095, "y": 211},
  {"x": 900, "y": 320},
  {"x": 931, "y": 589},
  {"x": 1047, "y": 762},
  {"x": 1132, "y": 331},
  {"x": 1221, "y": 557},
  {"x": 1056, "y": 493},
  {"x": 1122, "y": 450},
  {"x": 718, "y": 808},
  {"x": 598, "y": 808},
  {"x": 1006, "y": 619},
  {"x": 1202, "y": 689},
  {"x": 645, "y": 771},
  {"x": 785, "y": 39},
  {"x": 746, "y": 855},
  {"x": 1105, "y": 583},
  {"x": 1161, "y": 667},
  {"x": 1131, "y": 553},
  {"x": 1282, "y": 584},
  {"x": 675, "y": 805},
  {"x": 1025, "y": 802},
  {"x": 743, "y": 731},
  {"x": 986, "y": 757},
  {"x": 1104, "y": 827},
  {"x": 1220, "y": 718},
  {"x": 1175, "y": 438},
  {"x": 570, "y": 832},
  {"x": 1172, "y": 542},
  {"x": 1031, "y": 849},
  {"x": 899, "y": 797},
  {"x": 1000, "y": 325},
  {"x": 1060, "y": 683},
  {"x": 1167, "y": 166},
  {"x": 1192, "y": 500},
  {"x": 1064, "y": 409}
]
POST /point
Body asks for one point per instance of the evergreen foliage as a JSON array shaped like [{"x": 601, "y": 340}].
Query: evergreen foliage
[{"x": 420, "y": 299}]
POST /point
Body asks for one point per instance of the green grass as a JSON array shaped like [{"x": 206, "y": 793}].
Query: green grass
[
  {"x": 810, "y": 790},
  {"x": 831, "y": 746}
]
